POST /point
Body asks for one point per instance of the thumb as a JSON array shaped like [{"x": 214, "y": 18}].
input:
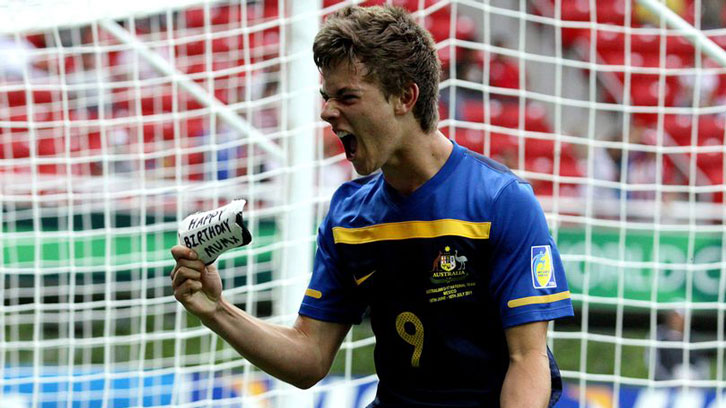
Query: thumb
[
  {"x": 210, "y": 278},
  {"x": 210, "y": 269}
]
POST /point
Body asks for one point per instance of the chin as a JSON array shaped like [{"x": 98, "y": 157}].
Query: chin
[{"x": 364, "y": 171}]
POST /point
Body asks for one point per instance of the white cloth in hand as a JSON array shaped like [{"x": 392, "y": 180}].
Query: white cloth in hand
[{"x": 212, "y": 233}]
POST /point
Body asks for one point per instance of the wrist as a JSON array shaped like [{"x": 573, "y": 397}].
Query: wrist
[{"x": 211, "y": 318}]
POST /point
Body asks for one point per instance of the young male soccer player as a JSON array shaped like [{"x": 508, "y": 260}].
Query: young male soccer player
[{"x": 449, "y": 250}]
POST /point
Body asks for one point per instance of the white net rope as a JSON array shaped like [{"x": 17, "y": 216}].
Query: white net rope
[
  {"x": 35, "y": 15},
  {"x": 117, "y": 123},
  {"x": 618, "y": 122},
  {"x": 113, "y": 130}
]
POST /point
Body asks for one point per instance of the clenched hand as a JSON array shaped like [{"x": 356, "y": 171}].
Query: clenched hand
[{"x": 196, "y": 286}]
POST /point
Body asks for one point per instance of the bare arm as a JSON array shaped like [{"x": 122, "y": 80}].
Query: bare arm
[
  {"x": 527, "y": 383},
  {"x": 300, "y": 355}
]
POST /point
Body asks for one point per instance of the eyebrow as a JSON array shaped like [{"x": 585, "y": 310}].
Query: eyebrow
[{"x": 340, "y": 92}]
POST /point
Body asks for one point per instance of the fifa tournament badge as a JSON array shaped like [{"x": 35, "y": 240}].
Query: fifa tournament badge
[
  {"x": 543, "y": 272},
  {"x": 214, "y": 232}
]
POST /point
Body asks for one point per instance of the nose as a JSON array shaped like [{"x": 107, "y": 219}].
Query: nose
[{"x": 329, "y": 112}]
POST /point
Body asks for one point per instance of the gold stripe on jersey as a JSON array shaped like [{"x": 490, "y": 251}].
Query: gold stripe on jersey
[
  {"x": 535, "y": 300},
  {"x": 313, "y": 293},
  {"x": 412, "y": 229}
]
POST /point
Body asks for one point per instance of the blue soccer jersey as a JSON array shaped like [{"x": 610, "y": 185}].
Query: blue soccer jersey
[{"x": 444, "y": 271}]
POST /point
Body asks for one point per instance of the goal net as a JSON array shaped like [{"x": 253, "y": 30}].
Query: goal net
[{"x": 118, "y": 121}]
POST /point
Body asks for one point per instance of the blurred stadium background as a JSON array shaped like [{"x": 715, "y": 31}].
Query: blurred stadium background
[{"x": 117, "y": 120}]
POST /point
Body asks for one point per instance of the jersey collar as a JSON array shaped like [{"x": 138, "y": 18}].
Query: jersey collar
[{"x": 397, "y": 200}]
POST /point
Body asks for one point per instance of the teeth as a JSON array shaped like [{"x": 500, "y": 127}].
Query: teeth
[{"x": 341, "y": 134}]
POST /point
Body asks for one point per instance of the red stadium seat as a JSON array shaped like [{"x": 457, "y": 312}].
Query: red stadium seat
[
  {"x": 507, "y": 115},
  {"x": 443, "y": 111},
  {"x": 14, "y": 142},
  {"x": 154, "y": 132},
  {"x": 13, "y": 149},
  {"x": 194, "y": 127},
  {"x": 568, "y": 167},
  {"x": 679, "y": 127},
  {"x": 708, "y": 160},
  {"x": 472, "y": 139},
  {"x": 438, "y": 24},
  {"x": 574, "y": 10},
  {"x": 711, "y": 127},
  {"x": 199, "y": 47},
  {"x": 227, "y": 14},
  {"x": 218, "y": 15},
  {"x": 609, "y": 41},
  {"x": 677, "y": 44},
  {"x": 648, "y": 93},
  {"x": 50, "y": 146},
  {"x": 646, "y": 43},
  {"x": 536, "y": 119},
  {"x": 91, "y": 141},
  {"x": 163, "y": 102},
  {"x": 504, "y": 73},
  {"x": 18, "y": 98},
  {"x": 473, "y": 111},
  {"x": 193, "y": 18},
  {"x": 539, "y": 148},
  {"x": 610, "y": 11},
  {"x": 504, "y": 146},
  {"x": 716, "y": 176},
  {"x": 38, "y": 40}
]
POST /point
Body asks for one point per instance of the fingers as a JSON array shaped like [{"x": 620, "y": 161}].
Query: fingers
[
  {"x": 187, "y": 273},
  {"x": 182, "y": 252},
  {"x": 187, "y": 288},
  {"x": 196, "y": 265},
  {"x": 185, "y": 257},
  {"x": 182, "y": 274}
]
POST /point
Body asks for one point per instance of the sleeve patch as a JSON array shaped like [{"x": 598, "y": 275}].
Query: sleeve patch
[{"x": 543, "y": 271}]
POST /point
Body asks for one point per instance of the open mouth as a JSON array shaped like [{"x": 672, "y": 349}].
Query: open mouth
[{"x": 350, "y": 143}]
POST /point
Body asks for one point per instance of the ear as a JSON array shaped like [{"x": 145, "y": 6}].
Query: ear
[{"x": 407, "y": 100}]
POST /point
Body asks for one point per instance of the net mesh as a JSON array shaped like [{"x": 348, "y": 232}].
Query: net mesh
[{"x": 115, "y": 128}]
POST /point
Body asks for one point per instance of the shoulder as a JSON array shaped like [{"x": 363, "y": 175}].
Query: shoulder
[
  {"x": 491, "y": 177},
  {"x": 356, "y": 184},
  {"x": 353, "y": 194}
]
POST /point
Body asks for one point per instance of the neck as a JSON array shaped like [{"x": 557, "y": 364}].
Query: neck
[{"x": 417, "y": 162}]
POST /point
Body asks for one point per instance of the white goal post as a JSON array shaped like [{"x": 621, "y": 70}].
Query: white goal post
[{"x": 118, "y": 119}]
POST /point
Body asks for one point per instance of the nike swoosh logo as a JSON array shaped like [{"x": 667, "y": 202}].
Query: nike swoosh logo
[{"x": 362, "y": 279}]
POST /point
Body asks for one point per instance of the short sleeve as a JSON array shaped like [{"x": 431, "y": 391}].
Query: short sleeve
[
  {"x": 331, "y": 295},
  {"x": 528, "y": 280}
]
